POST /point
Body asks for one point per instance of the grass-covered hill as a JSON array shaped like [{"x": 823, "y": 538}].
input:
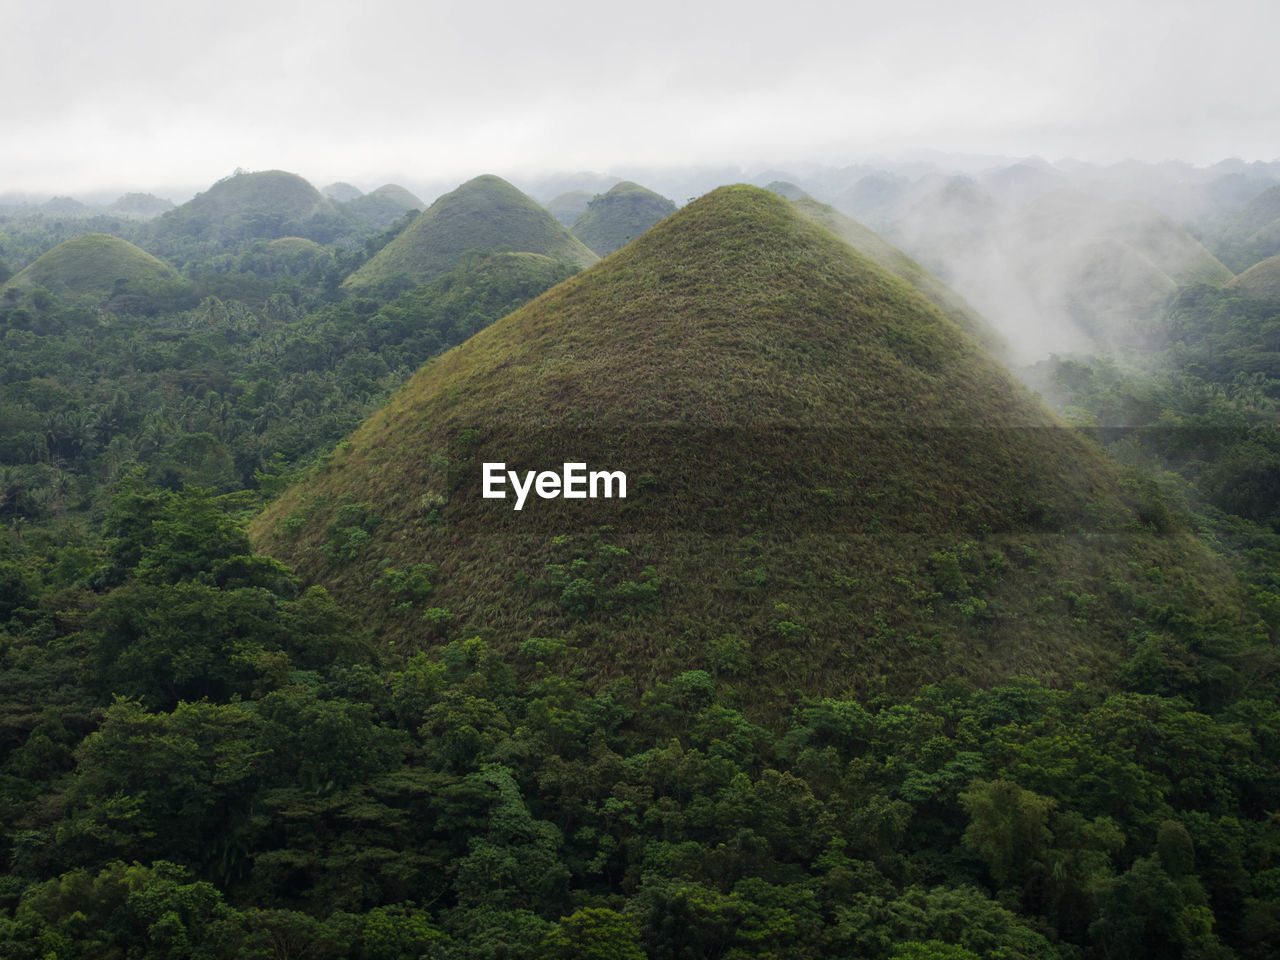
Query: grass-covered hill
[
  {"x": 1253, "y": 234},
  {"x": 97, "y": 267},
  {"x": 1110, "y": 267},
  {"x": 486, "y": 213},
  {"x": 569, "y": 206},
  {"x": 871, "y": 244},
  {"x": 615, "y": 218},
  {"x": 1260, "y": 280},
  {"x": 140, "y": 206},
  {"x": 829, "y": 483},
  {"x": 248, "y": 206},
  {"x": 381, "y": 207}
]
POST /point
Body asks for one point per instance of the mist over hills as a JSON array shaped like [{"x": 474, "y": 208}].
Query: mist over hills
[{"x": 870, "y": 244}]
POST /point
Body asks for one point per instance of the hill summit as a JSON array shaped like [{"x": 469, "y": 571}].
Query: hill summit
[
  {"x": 486, "y": 213},
  {"x": 827, "y": 481},
  {"x": 262, "y": 205}
]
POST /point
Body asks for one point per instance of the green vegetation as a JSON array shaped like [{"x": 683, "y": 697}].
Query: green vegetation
[
  {"x": 261, "y": 779},
  {"x": 224, "y": 394},
  {"x": 1204, "y": 421},
  {"x": 486, "y": 213},
  {"x": 615, "y": 218}
]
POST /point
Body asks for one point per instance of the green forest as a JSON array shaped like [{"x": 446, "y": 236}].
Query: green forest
[{"x": 889, "y": 656}]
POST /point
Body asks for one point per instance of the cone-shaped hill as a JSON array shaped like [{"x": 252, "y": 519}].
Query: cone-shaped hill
[
  {"x": 828, "y": 482},
  {"x": 342, "y": 191},
  {"x": 1260, "y": 280},
  {"x": 615, "y": 218},
  {"x": 382, "y": 206},
  {"x": 141, "y": 206},
  {"x": 262, "y": 205},
  {"x": 486, "y": 213},
  {"x": 97, "y": 266}
]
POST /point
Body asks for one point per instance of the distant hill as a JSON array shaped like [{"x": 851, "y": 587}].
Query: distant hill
[
  {"x": 831, "y": 487},
  {"x": 873, "y": 198},
  {"x": 142, "y": 206},
  {"x": 1110, "y": 266},
  {"x": 568, "y": 207},
  {"x": 1260, "y": 280},
  {"x": 786, "y": 189},
  {"x": 342, "y": 191},
  {"x": 615, "y": 218},
  {"x": 383, "y": 206},
  {"x": 1253, "y": 234},
  {"x": 486, "y": 213},
  {"x": 98, "y": 267},
  {"x": 1064, "y": 272},
  {"x": 66, "y": 207},
  {"x": 1022, "y": 182},
  {"x": 249, "y": 206}
]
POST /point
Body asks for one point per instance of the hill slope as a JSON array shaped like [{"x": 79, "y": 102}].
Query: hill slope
[
  {"x": 617, "y": 217},
  {"x": 828, "y": 482},
  {"x": 871, "y": 244},
  {"x": 486, "y": 213}
]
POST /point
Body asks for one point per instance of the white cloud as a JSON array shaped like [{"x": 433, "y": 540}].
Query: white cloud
[{"x": 135, "y": 94}]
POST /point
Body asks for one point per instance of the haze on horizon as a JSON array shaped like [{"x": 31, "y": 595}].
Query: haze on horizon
[{"x": 151, "y": 96}]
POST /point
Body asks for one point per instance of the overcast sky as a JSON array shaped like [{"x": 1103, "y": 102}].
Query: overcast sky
[{"x": 148, "y": 95}]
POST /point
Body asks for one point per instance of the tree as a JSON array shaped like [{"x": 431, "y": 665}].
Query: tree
[{"x": 1008, "y": 828}]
